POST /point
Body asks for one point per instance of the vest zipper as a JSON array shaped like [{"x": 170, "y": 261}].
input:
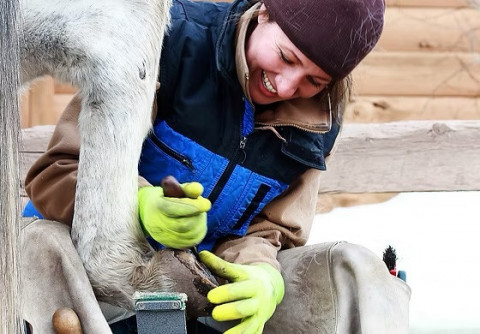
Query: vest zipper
[
  {"x": 174, "y": 154},
  {"x": 239, "y": 157},
  {"x": 323, "y": 128}
]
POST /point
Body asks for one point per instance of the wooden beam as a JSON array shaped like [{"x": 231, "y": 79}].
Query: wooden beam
[
  {"x": 36, "y": 139},
  {"x": 34, "y": 142},
  {"x": 380, "y": 109},
  {"x": 431, "y": 30},
  {"x": 406, "y": 156},
  {"x": 390, "y": 157},
  {"x": 418, "y": 74}
]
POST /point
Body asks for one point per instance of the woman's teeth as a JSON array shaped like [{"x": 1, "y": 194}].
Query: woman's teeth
[{"x": 267, "y": 83}]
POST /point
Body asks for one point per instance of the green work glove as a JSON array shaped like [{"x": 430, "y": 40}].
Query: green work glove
[
  {"x": 252, "y": 297},
  {"x": 174, "y": 222}
]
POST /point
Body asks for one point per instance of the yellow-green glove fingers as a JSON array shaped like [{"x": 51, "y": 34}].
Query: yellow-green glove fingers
[
  {"x": 232, "y": 291},
  {"x": 276, "y": 279},
  {"x": 152, "y": 199},
  {"x": 178, "y": 244},
  {"x": 183, "y": 207},
  {"x": 188, "y": 226},
  {"x": 250, "y": 325},
  {"x": 190, "y": 231},
  {"x": 236, "y": 310},
  {"x": 156, "y": 222},
  {"x": 192, "y": 189},
  {"x": 146, "y": 194},
  {"x": 178, "y": 234},
  {"x": 174, "y": 242},
  {"x": 222, "y": 268}
]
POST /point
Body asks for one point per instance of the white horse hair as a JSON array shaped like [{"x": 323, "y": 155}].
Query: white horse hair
[
  {"x": 9, "y": 175},
  {"x": 110, "y": 50}
]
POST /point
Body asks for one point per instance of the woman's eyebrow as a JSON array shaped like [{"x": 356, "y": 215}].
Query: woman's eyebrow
[{"x": 291, "y": 53}]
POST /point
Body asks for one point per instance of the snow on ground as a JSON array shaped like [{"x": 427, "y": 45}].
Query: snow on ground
[{"x": 436, "y": 236}]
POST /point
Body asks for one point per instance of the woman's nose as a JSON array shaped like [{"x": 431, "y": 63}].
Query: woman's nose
[{"x": 287, "y": 84}]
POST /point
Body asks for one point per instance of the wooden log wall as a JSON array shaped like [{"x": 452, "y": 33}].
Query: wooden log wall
[
  {"x": 426, "y": 65},
  {"x": 44, "y": 102}
]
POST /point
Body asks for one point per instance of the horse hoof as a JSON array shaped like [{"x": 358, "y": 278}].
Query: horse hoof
[{"x": 190, "y": 276}]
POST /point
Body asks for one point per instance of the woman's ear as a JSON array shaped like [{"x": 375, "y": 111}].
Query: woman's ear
[{"x": 263, "y": 16}]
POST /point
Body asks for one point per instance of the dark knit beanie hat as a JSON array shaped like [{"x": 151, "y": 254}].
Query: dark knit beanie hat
[{"x": 335, "y": 34}]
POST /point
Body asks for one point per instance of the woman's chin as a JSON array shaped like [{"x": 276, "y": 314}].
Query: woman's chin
[{"x": 260, "y": 97}]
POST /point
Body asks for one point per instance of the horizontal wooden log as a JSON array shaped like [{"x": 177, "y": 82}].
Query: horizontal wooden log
[
  {"x": 389, "y": 157},
  {"x": 431, "y": 29},
  {"x": 36, "y": 139},
  {"x": 34, "y": 142},
  {"x": 418, "y": 74},
  {"x": 27, "y": 160},
  {"x": 406, "y": 156},
  {"x": 380, "y": 109},
  {"x": 433, "y": 3}
]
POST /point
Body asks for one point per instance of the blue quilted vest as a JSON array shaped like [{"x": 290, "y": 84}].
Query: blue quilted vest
[{"x": 236, "y": 192}]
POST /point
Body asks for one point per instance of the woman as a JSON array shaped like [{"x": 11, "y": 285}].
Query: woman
[{"x": 249, "y": 107}]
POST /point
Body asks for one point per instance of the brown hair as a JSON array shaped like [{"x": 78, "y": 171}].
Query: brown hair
[{"x": 338, "y": 92}]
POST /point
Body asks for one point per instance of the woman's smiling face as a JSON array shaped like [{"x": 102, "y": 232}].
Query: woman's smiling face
[{"x": 278, "y": 69}]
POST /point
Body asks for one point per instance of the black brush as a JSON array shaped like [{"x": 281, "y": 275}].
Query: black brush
[{"x": 390, "y": 259}]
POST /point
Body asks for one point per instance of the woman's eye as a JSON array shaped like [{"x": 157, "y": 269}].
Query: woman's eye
[
  {"x": 316, "y": 84},
  {"x": 284, "y": 57}
]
